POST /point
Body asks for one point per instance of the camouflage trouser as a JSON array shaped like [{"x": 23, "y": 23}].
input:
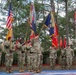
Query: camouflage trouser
[
  {"x": 69, "y": 62},
  {"x": 0, "y": 56},
  {"x": 63, "y": 62},
  {"x": 29, "y": 61},
  {"x": 8, "y": 59},
  {"x": 39, "y": 61},
  {"x": 52, "y": 63},
  {"x": 34, "y": 61},
  {"x": 21, "y": 60}
]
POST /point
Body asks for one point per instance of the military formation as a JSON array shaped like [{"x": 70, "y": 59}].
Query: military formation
[{"x": 32, "y": 51}]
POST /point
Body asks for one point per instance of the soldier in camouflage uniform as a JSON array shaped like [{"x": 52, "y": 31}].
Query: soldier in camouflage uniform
[
  {"x": 52, "y": 57},
  {"x": 21, "y": 55},
  {"x": 38, "y": 54},
  {"x": 33, "y": 57},
  {"x": 63, "y": 59},
  {"x": 69, "y": 56},
  {"x": 9, "y": 49}
]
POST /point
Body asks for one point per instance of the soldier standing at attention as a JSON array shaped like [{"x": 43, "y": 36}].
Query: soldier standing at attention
[
  {"x": 39, "y": 49},
  {"x": 52, "y": 57},
  {"x": 8, "y": 56},
  {"x": 20, "y": 53},
  {"x": 69, "y": 56},
  {"x": 34, "y": 57}
]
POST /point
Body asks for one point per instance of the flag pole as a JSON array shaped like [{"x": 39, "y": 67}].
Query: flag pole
[
  {"x": 67, "y": 32},
  {"x": 41, "y": 30},
  {"x": 75, "y": 26}
]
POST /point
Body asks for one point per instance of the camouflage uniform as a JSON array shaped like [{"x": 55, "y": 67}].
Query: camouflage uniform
[
  {"x": 63, "y": 59},
  {"x": 9, "y": 49},
  {"x": 69, "y": 57},
  {"x": 52, "y": 57},
  {"x": 33, "y": 57},
  {"x": 38, "y": 54},
  {"x": 39, "y": 59},
  {"x": 21, "y": 56},
  {"x": 29, "y": 57}
]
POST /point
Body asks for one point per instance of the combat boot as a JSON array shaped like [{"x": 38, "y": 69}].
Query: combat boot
[
  {"x": 31, "y": 70},
  {"x": 22, "y": 70},
  {"x": 10, "y": 69},
  {"x": 7, "y": 70},
  {"x": 35, "y": 71},
  {"x": 38, "y": 71}
]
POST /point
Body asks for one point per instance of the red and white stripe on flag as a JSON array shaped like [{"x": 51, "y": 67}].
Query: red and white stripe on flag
[
  {"x": 10, "y": 17},
  {"x": 9, "y": 20}
]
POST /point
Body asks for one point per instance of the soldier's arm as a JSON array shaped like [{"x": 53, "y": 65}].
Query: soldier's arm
[
  {"x": 42, "y": 50},
  {"x": 2, "y": 47},
  {"x": 12, "y": 48},
  {"x": 24, "y": 48},
  {"x": 73, "y": 53},
  {"x": 56, "y": 54}
]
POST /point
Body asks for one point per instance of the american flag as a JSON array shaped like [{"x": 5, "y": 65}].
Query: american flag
[{"x": 9, "y": 18}]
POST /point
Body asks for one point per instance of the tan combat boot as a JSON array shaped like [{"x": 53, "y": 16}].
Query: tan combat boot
[
  {"x": 22, "y": 70},
  {"x": 38, "y": 71},
  {"x": 10, "y": 69},
  {"x": 7, "y": 70}
]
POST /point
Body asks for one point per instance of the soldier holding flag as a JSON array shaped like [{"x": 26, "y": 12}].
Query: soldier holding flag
[
  {"x": 8, "y": 45},
  {"x": 69, "y": 56},
  {"x": 9, "y": 49},
  {"x": 52, "y": 57}
]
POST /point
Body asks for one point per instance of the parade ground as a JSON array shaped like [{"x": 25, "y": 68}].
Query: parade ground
[{"x": 43, "y": 72}]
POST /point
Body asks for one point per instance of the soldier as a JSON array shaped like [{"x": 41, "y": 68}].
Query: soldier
[
  {"x": 21, "y": 55},
  {"x": 38, "y": 53},
  {"x": 69, "y": 56},
  {"x": 9, "y": 49},
  {"x": 63, "y": 59},
  {"x": 52, "y": 57},
  {"x": 33, "y": 60}
]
